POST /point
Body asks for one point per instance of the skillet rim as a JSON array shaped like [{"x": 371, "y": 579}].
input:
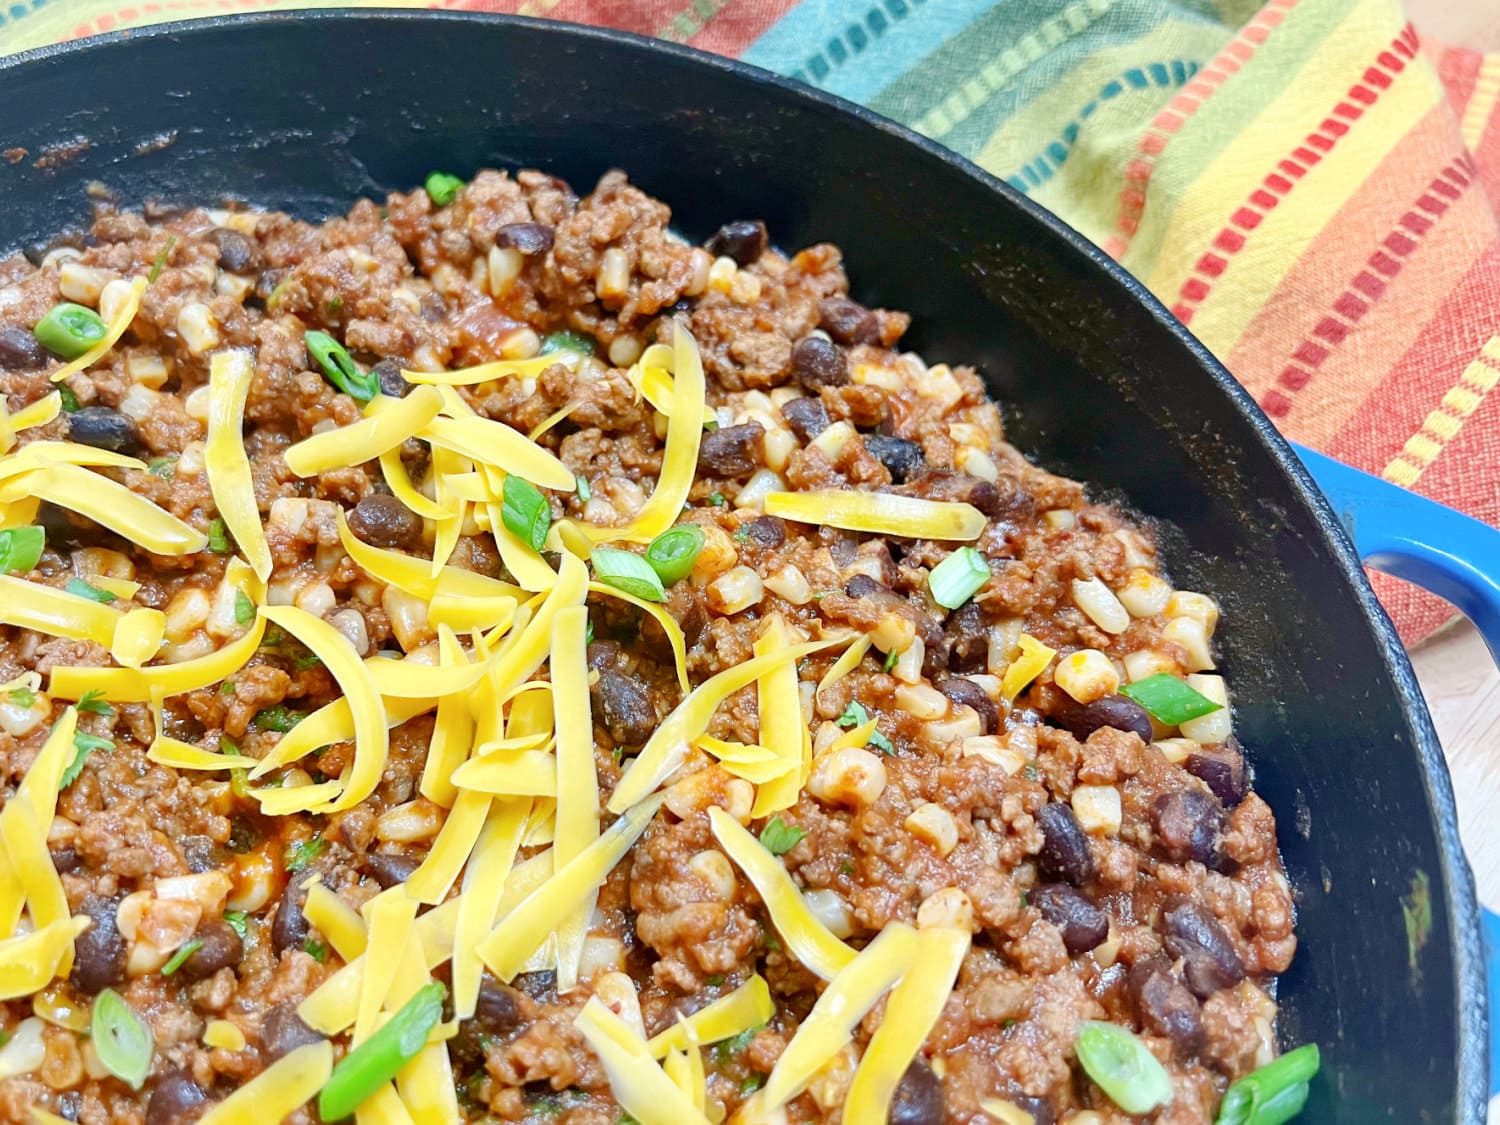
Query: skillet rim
[{"x": 1462, "y": 914}]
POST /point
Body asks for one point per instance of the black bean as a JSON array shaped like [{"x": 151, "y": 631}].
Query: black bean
[
  {"x": 266, "y": 282},
  {"x": 289, "y": 926},
  {"x": 968, "y": 638},
  {"x": 628, "y": 712},
  {"x": 863, "y": 586},
  {"x": 806, "y": 417},
  {"x": 104, "y": 428},
  {"x": 743, "y": 240},
  {"x": 765, "y": 531},
  {"x": 966, "y": 693},
  {"x": 1166, "y": 1006},
  {"x": 1209, "y": 959},
  {"x": 1065, "y": 851},
  {"x": 175, "y": 1100},
  {"x": 817, "y": 362},
  {"x": 1222, "y": 769},
  {"x": 1083, "y": 924},
  {"x": 1117, "y": 711},
  {"x": 603, "y": 654},
  {"x": 528, "y": 238},
  {"x": 901, "y": 457},
  {"x": 918, "y": 1099},
  {"x": 540, "y": 986},
  {"x": 391, "y": 870},
  {"x": 499, "y": 1009},
  {"x": 282, "y": 1031},
  {"x": 65, "y": 859},
  {"x": 848, "y": 322},
  {"x": 237, "y": 254},
  {"x": 734, "y": 451},
  {"x": 100, "y": 952},
  {"x": 20, "y": 351},
  {"x": 383, "y": 521},
  {"x": 221, "y": 949},
  {"x": 1189, "y": 826},
  {"x": 392, "y": 382},
  {"x": 202, "y": 853}
]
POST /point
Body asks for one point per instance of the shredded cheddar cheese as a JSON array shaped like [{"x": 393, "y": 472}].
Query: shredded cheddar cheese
[
  {"x": 479, "y": 901},
  {"x": 109, "y": 504},
  {"x": 113, "y": 331},
  {"x": 28, "y": 963},
  {"x": 577, "y": 816},
  {"x": 229, "y": 478},
  {"x": 1030, "y": 664},
  {"x": 749, "y": 1005},
  {"x": 668, "y": 625},
  {"x": 880, "y": 513},
  {"x": 136, "y": 685},
  {"x": 276, "y": 1092},
  {"x": 44, "y": 609},
  {"x": 781, "y": 726},
  {"x": 640, "y": 1086},
  {"x": 386, "y": 425},
  {"x": 138, "y": 636},
  {"x": 339, "y": 922},
  {"x": 485, "y": 372}
]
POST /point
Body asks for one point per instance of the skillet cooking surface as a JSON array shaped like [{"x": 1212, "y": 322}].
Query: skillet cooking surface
[{"x": 303, "y": 112}]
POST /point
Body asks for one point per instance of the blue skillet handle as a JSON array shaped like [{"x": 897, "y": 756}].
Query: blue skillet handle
[{"x": 1454, "y": 556}]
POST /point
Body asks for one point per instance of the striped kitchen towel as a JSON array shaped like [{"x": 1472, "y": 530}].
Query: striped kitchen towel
[{"x": 1306, "y": 184}]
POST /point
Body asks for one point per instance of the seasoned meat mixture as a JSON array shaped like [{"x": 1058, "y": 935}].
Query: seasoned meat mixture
[{"x": 485, "y": 658}]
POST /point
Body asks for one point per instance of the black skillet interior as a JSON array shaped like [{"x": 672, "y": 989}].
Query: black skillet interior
[{"x": 306, "y": 111}]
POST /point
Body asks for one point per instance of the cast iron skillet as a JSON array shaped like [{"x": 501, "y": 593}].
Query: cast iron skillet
[{"x": 305, "y": 111}]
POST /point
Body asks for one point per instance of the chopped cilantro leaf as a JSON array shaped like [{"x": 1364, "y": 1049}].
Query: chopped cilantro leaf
[
  {"x": 303, "y": 852},
  {"x": 881, "y": 743},
  {"x": 93, "y": 702},
  {"x": 178, "y": 959},
  {"x": 239, "y": 922},
  {"x": 83, "y": 746},
  {"x": 316, "y": 950},
  {"x": 279, "y": 719},
  {"x": 244, "y": 608},
  {"x": 778, "y": 837},
  {"x": 218, "y": 538},
  {"x": 79, "y": 588},
  {"x": 854, "y": 715}
]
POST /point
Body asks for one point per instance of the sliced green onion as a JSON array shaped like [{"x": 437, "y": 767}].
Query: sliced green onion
[
  {"x": 161, "y": 259},
  {"x": 1169, "y": 700},
  {"x": 567, "y": 342},
  {"x": 218, "y": 538},
  {"x": 1273, "y": 1094},
  {"x": 178, "y": 959},
  {"x": 70, "y": 403},
  {"x": 122, "y": 1039},
  {"x": 673, "y": 552},
  {"x": 626, "y": 571},
  {"x": 375, "y": 1061},
  {"x": 79, "y": 588},
  {"x": 778, "y": 837},
  {"x": 94, "y": 703},
  {"x": 339, "y": 367},
  {"x": 279, "y": 719},
  {"x": 316, "y": 950},
  {"x": 1123, "y": 1067},
  {"x": 244, "y": 608},
  {"x": 716, "y": 500},
  {"x": 890, "y": 661},
  {"x": 584, "y": 490},
  {"x": 21, "y": 548},
  {"x": 69, "y": 330},
  {"x": 22, "y": 697},
  {"x": 525, "y": 511},
  {"x": 164, "y": 468},
  {"x": 442, "y": 188},
  {"x": 958, "y": 577},
  {"x": 303, "y": 852}
]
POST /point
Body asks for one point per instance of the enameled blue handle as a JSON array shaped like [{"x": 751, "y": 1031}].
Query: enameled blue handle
[{"x": 1449, "y": 553}]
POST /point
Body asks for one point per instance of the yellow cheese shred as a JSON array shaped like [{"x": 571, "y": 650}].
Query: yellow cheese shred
[
  {"x": 383, "y": 1107},
  {"x": 667, "y": 747},
  {"x": 229, "y": 478},
  {"x": 910, "y": 1014},
  {"x": 880, "y": 513},
  {"x": 28, "y": 964},
  {"x": 138, "y": 636},
  {"x": 39, "y": 413},
  {"x": 40, "y": 454},
  {"x": 1030, "y": 664},
  {"x": 389, "y": 917},
  {"x": 25, "y": 837},
  {"x": 109, "y": 504},
  {"x": 168, "y": 751},
  {"x": 19, "y": 513},
  {"x": 386, "y": 425},
  {"x": 42, "y": 1117},
  {"x": 278, "y": 1091},
  {"x": 684, "y": 1067},
  {"x": 427, "y": 1087},
  {"x": 640, "y": 1086},
  {"x": 515, "y": 665},
  {"x": 431, "y": 882},
  {"x": 339, "y": 922},
  {"x": 529, "y": 568},
  {"x": 135, "y": 685},
  {"x": 831, "y": 1023},
  {"x": 577, "y": 824},
  {"x": 679, "y": 463},
  {"x": 749, "y": 1005},
  {"x": 36, "y": 800},
  {"x": 371, "y": 739},
  {"x": 116, "y": 328},
  {"x": 523, "y": 930},
  {"x": 494, "y": 443},
  {"x": 846, "y": 663},
  {"x": 779, "y": 705},
  {"x": 485, "y": 372},
  {"x": 224, "y": 1036},
  {"x": 810, "y": 941},
  {"x": 479, "y": 901},
  {"x": 333, "y": 722},
  {"x": 119, "y": 587},
  {"x": 452, "y": 731},
  {"x": 44, "y": 609},
  {"x": 667, "y": 622},
  {"x": 399, "y": 482},
  {"x": 524, "y": 773},
  {"x": 653, "y": 382},
  {"x": 408, "y": 679}
]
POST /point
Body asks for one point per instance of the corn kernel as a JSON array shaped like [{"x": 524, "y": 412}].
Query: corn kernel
[
  {"x": 1098, "y": 810},
  {"x": 941, "y": 386},
  {"x": 1100, "y": 605},
  {"x": 1176, "y": 750},
  {"x": 995, "y": 750},
  {"x": 780, "y": 444},
  {"x": 700, "y": 262},
  {"x": 831, "y": 442},
  {"x": 233, "y": 286},
  {"x": 411, "y": 822},
  {"x": 734, "y": 590},
  {"x": 618, "y": 993},
  {"x": 947, "y": 907},
  {"x": 196, "y": 326},
  {"x": 978, "y": 463},
  {"x": 112, "y": 299},
  {"x": 1216, "y": 726},
  {"x": 745, "y": 289},
  {"x": 1144, "y": 594},
  {"x": 791, "y": 585},
  {"x": 147, "y": 370},
  {"x": 1138, "y": 552},
  {"x": 761, "y": 484},
  {"x": 715, "y": 870},
  {"x": 187, "y": 612},
  {"x": 523, "y": 343},
  {"x": 1145, "y": 663},
  {"x": 1191, "y": 636},
  {"x": 1086, "y": 675},
  {"x": 722, "y": 273},
  {"x": 921, "y": 701},
  {"x": 908, "y": 667},
  {"x": 827, "y": 907},
  {"x": 933, "y": 825},
  {"x": 851, "y": 776},
  {"x": 82, "y": 284},
  {"x": 1185, "y": 603},
  {"x": 893, "y": 633},
  {"x": 1060, "y": 519}
]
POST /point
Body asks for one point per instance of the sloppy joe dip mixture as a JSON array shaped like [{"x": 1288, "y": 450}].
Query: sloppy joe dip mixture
[{"x": 485, "y": 658}]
